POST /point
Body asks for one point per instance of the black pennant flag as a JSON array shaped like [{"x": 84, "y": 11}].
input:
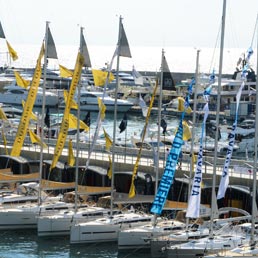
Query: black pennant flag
[
  {"x": 163, "y": 124},
  {"x": 123, "y": 123},
  {"x": 168, "y": 81},
  {"x": 86, "y": 121},
  {"x": 47, "y": 118}
]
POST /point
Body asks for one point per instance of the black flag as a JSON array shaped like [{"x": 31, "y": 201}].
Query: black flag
[
  {"x": 47, "y": 118},
  {"x": 168, "y": 81},
  {"x": 163, "y": 124},
  {"x": 87, "y": 119},
  {"x": 123, "y": 123}
]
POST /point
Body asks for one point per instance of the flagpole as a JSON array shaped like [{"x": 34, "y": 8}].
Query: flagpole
[
  {"x": 214, "y": 206},
  {"x": 254, "y": 206},
  {"x": 78, "y": 133},
  {"x": 193, "y": 127},
  {"x": 115, "y": 117},
  {"x": 43, "y": 111}
]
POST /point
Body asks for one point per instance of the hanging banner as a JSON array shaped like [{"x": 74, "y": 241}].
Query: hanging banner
[
  {"x": 224, "y": 181},
  {"x": 169, "y": 172},
  {"x": 28, "y": 106},
  {"x": 193, "y": 209},
  {"x": 135, "y": 169},
  {"x": 65, "y": 121}
]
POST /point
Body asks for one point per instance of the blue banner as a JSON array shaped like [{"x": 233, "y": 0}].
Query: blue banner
[{"x": 169, "y": 172}]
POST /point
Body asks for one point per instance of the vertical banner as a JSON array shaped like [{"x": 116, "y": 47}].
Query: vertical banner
[
  {"x": 169, "y": 172},
  {"x": 135, "y": 169},
  {"x": 28, "y": 106},
  {"x": 65, "y": 121},
  {"x": 224, "y": 181},
  {"x": 193, "y": 209}
]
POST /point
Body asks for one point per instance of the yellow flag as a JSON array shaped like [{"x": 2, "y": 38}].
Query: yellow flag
[
  {"x": 71, "y": 159},
  {"x": 65, "y": 121},
  {"x": 64, "y": 72},
  {"x": 2, "y": 114},
  {"x": 35, "y": 139},
  {"x": 73, "y": 104},
  {"x": 73, "y": 123},
  {"x": 101, "y": 76},
  {"x": 135, "y": 169},
  {"x": 5, "y": 142},
  {"x": 27, "y": 110},
  {"x": 33, "y": 116},
  {"x": 102, "y": 108},
  {"x": 108, "y": 140},
  {"x": 181, "y": 106},
  {"x": 109, "y": 172},
  {"x": 187, "y": 134},
  {"x": 21, "y": 81},
  {"x": 12, "y": 52}
]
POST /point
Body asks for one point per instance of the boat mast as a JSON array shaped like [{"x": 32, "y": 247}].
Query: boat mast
[
  {"x": 193, "y": 127},
  {"x": 78, "y": 132},
  {"x": 214, "y": 207},
  {"x": 43, "y": 112},
  {"x": 254, "y": 206},
  {"x": 115, "y": 117}
]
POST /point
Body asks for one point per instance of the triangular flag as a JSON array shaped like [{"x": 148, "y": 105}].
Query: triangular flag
[
  {"x": 108, "y": 141},
  {"x": 71, "y": 159},
  {"x": 123, "y": 44},
  {"x": 51, "y": 48},
  {"x": 138, "y": 78},
  {"x": 123, "y": 123},
  {"x": 87, "y": 119},
  {"x": 47, "y": 118},
  {"x": 143, "y": 106},
  {"x": 35, "y": 139},
  {"x": 73, "y": 104},
  {"x": 5, "y": 142},
  {"x": 109, "y": 171},
  {"x": 73, "y": 123},
  {"x": 85, "y": 53},
  {"x": 181, "y": 106},
  {"x": 101, "y": 76},
  {"x": 102, "y": 108},
  {"x": 20, "y": 81},
  {"x": 12, "y": 52},
  {"x": 187, "y": 134},
  {"x": 168, "y": 81},
  {"x": 32, "y": 115},
  {"x": 163, "y": 124},
  {"x": 2, "y": 114},
  {"x": 2, "y": 36},
  {"x": 65, "y": 72}
]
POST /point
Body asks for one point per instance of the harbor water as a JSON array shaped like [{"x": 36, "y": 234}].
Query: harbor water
[{"x": 26, "y": 244}]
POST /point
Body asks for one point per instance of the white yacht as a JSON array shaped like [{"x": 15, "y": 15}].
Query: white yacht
[
  {"x": 89, "y": 102},
  {"x": 60, "y": 224},
  {"x": 106, "y": 229},
  {"x": 229, "y": 238},
  {"x": 139, "y": 237},
  {"x": 14, "y": 95}
]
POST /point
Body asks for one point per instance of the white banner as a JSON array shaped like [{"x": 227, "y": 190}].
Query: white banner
[
  {"x": 193, "y": 209},
  {"x": 224, "y": 181}
]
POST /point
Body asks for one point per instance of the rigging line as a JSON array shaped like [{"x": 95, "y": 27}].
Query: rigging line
[
  {"x": 254, "y": 31},
  {"x": 215, "y": 47}
]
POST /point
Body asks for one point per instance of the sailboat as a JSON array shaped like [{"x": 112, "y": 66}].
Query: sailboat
[
  {"x": 235, "y": 235},
  {"x": 106, "y": 229},
  {"x": 60, "y": 224},
  {"x": 25, "y": 216}
]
